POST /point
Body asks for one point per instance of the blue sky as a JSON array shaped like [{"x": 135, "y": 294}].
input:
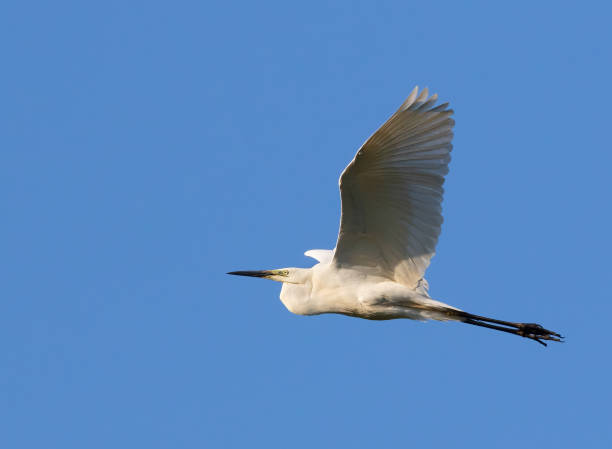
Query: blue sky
[{"x": 150, "y": 147}]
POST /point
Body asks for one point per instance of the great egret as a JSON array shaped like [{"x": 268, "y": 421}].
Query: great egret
[{"x": 391, "y": 216}]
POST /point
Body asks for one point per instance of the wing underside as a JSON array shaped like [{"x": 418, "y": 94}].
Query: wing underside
[{"x": 392, "y": 192}]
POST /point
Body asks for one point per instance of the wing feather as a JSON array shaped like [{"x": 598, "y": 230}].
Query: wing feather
[
  {"x": 392, "y": 192},
  {"x": 322, "y": 255}
]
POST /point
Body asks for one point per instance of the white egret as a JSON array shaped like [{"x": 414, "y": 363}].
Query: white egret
[{"x": 391, "y": 216}]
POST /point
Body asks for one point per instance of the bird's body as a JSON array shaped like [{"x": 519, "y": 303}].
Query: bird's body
[
  {"x": 359, "y": 292},
  {"x": 391, "y": 219}
]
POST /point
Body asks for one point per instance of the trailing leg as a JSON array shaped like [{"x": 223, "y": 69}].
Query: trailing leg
[{"x": 528, "y": 330}]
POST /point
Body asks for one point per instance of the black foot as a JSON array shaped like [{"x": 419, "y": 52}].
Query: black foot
[
  {"x": 537, "y": 333},
  {"x": 528, "y": 330}
]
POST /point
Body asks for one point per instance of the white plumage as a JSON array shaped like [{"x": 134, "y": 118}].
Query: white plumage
[
  {"x": 392, "y": 192},
  {"x": 391, "y": 219}
]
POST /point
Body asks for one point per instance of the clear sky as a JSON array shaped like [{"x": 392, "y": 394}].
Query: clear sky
[{"x": 147, "y": 148}]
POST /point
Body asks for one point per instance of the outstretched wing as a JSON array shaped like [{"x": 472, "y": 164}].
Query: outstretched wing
[{"x": 392, "y": 192}]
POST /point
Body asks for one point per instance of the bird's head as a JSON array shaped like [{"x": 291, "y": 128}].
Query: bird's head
[{"x": 288, "y": 275}]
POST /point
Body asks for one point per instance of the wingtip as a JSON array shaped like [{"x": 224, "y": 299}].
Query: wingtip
[
  {"x": 410, "y": 100},
  {"x": 423, "y": 96}
]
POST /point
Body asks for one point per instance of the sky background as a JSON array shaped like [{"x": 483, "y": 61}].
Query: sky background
[{"x": 147, "y": 148}]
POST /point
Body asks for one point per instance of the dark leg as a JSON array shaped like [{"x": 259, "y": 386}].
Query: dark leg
[{"x": 527, "y": 330}]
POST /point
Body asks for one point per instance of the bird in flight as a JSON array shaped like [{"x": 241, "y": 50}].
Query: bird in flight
[{"x": 391, "y": 217}]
